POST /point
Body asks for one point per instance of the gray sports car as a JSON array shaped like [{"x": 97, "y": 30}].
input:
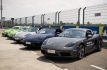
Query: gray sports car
[
  {"x": 21, "y": 35},
  {"x": 73, "y": 42}
]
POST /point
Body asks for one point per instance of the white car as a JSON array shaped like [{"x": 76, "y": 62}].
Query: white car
[{"x": 21, "y": 35}]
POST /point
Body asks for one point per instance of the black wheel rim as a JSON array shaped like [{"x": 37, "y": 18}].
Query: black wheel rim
[{"x": 81, "y": 53}]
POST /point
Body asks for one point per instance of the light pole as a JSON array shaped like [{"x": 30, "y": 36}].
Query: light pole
[{"x": 1, "y": 15}]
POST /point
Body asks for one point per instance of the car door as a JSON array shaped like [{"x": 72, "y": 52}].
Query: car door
[{"x": 89, "y": 41}]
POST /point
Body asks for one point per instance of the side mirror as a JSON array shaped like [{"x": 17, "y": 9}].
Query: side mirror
[
  {"x": 89, "y": 35},
  {"x": 57, "y": 33}
]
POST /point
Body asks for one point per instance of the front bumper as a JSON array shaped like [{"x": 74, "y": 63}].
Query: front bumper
[
  {"x": 10, "y": 35},
  {"x": 60, "y": 53},
  {"x": 18, "y": 39},
  {"x": 4, "y": 34},
  {"x": 33, "y": 44}
]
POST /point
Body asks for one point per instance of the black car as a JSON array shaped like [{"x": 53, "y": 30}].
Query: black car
[{"x": 73, "y": 42}]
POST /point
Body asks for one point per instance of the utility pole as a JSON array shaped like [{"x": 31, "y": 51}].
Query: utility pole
[{"x": 1, "y": 15}]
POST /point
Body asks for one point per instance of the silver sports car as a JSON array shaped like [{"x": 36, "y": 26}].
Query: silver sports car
[
  {"x": 21, "y": 35},
  {"x": 74, "y": 42}
]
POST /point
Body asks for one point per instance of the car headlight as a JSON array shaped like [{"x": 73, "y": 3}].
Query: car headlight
[
  {"x": 44, "y": 43},
  {"x": 70, "y": 44}
]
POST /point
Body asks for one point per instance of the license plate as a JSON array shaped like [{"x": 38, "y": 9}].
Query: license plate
[
  {"x": 28, "y": 42},
  {"x": 16, "y": 38},
  {"x": 51, "y": 51},
  {"x": 22, "y": 40}
]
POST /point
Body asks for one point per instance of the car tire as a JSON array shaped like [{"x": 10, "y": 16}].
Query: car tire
[
  {"x": 99, "y": 47},
  {"x": 81, "y": 52}
]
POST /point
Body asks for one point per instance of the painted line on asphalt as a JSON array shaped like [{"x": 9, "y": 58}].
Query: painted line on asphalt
[{"x": 97, "y": 67}]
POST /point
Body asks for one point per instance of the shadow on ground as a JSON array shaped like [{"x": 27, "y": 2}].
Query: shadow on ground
[
  {"x": 9, "y": 38},
  {"x": 104, "y": 45},
  {"x": 16, "y": 42},
  {"x": 30, "y": 48},
  {"x": 62, "y": 60},
  {"x": 44, "y": 59}
]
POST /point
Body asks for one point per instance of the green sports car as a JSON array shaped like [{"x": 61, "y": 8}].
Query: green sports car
[
  {"x": 13, "y": 32},
  {"x": 6, "y": 31}
]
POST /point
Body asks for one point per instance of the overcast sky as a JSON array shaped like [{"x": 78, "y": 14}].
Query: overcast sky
[{"x": 24, "y": 8}]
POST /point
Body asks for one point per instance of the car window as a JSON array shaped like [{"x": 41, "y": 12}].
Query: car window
[
  {"x": 90, "y": 32},
  {"x": 24, "y": 28},
  {"x": 32, "y": 29},
  {"x": 73, "y": 34},
  {"x": 15, "y": 27},
  {"x": 46, "y": 31}
]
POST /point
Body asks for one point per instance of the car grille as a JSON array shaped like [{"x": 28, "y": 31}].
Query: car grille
[
  {"x": 65, "y": 54},
  {"x": 58, "y": 53},
  {"x": 37, "y": 44}
]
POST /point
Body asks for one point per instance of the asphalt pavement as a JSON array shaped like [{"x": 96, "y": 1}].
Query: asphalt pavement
[
  {"x": 13, "y": 56},
  {"x": 16, "y": 56}
]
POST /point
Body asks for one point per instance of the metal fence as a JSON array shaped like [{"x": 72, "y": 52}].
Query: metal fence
[
  {"x": 49, "y": 18},
  {"x": 88, "y": 15},
  {"x": 96, "y": 14},
  {"x": 37, "y": 19},
  {"x": 69, "y": 16}
]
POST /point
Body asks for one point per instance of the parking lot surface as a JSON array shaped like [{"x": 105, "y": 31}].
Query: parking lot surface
[
  {"x": 92, "y": 61},
  {"x": 15, "y": 56}
]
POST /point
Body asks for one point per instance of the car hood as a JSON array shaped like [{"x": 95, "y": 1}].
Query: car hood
[
  {"x": 23, "y": 34},
  {"x": 14, "y": 31},
  {"x": 7, "y": 30},
  {"x": 59, "y": 42},
  {"x": 40, "y": 37}
]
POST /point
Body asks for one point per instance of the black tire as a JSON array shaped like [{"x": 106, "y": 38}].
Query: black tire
[
  {"x": 99, "y": 45},
  {"x": 81, "y": 52}
]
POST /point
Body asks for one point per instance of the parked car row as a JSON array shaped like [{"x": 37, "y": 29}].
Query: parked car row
[{"x": 72, "y": 42}]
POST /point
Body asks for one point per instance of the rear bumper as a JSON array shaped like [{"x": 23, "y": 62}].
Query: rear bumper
[{"x": 60, "y": 53}]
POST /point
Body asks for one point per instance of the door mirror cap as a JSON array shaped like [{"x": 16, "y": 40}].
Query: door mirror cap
[
  {"x": 57, "y": 33},
  {"x": 89, "y": 36}
]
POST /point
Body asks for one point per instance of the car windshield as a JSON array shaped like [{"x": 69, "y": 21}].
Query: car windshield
[
  {"x": 73, "y": 34},
  {"x": 32, "y": 29},
  {"x": 15, "y": 27},
  {"x": 46, "y": 31},
  {"x": 24, "y": 28}
]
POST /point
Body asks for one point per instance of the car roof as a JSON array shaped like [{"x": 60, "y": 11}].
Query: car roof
[
  {"x": 50, "y": 28},
  {"x": 17, "y": 26},
  {"x": 84, "y": 29}
]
